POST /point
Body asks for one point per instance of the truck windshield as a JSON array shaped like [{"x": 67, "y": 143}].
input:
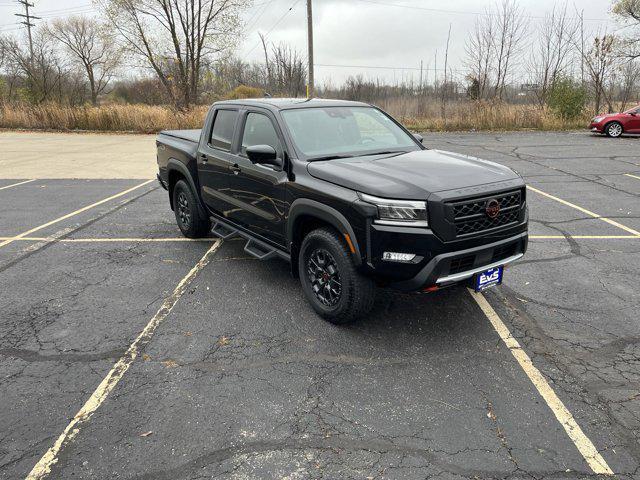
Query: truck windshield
[{"x": 338, "y": 132}]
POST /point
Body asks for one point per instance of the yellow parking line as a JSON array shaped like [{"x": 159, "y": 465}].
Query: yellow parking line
[
  {"x": 69, "y": 215},
  {"x": 586, "y": 448},
  {"x": 588, "y": 212},
  {"x": 16, "y": 184},
  {"x": 97, "y": 398},
  {"x": 108, "y": 240},
  {"x": 632, "y": 176}
]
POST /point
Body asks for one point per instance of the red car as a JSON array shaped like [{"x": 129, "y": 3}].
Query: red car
[{"x": 615, "y": 124}]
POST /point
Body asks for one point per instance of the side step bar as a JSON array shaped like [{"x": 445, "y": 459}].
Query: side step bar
[
  {"x": 223, "y": 231},
  {"x": 254, "y": 247}
]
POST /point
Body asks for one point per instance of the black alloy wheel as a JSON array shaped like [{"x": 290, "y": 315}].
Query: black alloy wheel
[
  {"x": 184, "y": 211},
  {"x": 190, "y": 216},
  {"x": 324, "y": 277},
  {"x": 330, "y": 279}
]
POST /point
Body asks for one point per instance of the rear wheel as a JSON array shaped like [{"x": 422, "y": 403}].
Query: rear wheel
[
  {"x": 330, "y": 281},
  {"x": 190, "y": 220},
  {"x": 614, "y": 129}
]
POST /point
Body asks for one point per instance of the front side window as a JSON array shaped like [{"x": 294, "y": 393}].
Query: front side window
[
  {"x": 223, "y": 126},
  {"x": 349, "y": 131},
  {"x": 259, "y": 130}
]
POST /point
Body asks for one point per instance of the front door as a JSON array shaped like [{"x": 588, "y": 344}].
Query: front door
[
  {"x": 633, "y": 124},
  {"x": 215, "y": 160},
  {"x": 258, "y": 191}
]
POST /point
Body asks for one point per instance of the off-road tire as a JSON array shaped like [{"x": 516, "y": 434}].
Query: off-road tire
[
  {"x": 357, "y": 292},
  {"x": 189, "y": 216},
  {"x": 613, "y": 129}
]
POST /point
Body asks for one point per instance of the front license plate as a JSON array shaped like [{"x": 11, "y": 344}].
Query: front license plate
[{"x": 489, "y": 278}]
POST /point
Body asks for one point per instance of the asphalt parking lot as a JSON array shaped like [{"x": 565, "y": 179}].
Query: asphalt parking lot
[{"x": 128, "y": 352}]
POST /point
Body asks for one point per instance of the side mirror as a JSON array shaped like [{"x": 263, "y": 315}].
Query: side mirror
[
  {"x": 264, "y": 155},
  {"x": 418, "y": 137}
]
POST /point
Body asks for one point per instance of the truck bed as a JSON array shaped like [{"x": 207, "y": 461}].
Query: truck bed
[{"x": 189, "y": 135}]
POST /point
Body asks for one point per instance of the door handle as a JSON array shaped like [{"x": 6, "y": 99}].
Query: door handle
[
  {"x": 204, "y": 158},
  {"x": 235, "y": 169}
]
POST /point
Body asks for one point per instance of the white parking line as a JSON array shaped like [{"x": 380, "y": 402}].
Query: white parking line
[
  {"x": 586, "y": 448},
  {"x": 632, "y": 176},
  {"x": 584, "y": 210},
  {"x": 582, "y": 237},
  {"x": 16, "y": 184},
  {"x": 97, "y": 398},
  {"x": 69, "y": 215}
]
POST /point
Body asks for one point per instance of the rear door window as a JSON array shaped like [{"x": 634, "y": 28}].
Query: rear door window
[{"x": 223, "y": 127}]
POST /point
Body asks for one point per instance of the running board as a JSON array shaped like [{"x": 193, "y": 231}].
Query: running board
[
  {"x": 254, "y": 247},
  {"x": 223, "y": 231},
  {"x": 260, "y": 250}
]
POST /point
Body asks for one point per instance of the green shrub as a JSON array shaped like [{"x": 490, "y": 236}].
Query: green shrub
[{"x": 567, "y": 99}]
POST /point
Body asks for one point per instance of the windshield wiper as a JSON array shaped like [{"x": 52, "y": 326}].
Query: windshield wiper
[{"x": 329, "y": 157}]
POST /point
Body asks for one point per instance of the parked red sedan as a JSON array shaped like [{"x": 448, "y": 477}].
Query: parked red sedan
[{"x": 615, "y": 124}]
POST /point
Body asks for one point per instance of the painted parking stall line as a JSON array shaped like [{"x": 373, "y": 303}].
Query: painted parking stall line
[
  {"x": 110, "y": 240},
  {"x": 584, "y": 210},
  {"x": 50, "y": 458},
  {"x": 17, "y": 184},
  {"x": 584, "y": 445},
  {"x": 632, "y": 176},
  {"x": 72, "y": 214}
]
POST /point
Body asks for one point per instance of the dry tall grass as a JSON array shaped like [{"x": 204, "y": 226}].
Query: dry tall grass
[
  {"x": 151, "y": 119},
  {"x": 108, "y": 118}
]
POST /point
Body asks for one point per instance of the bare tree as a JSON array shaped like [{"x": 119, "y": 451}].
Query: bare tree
[
  {"x": 601, "y": 61},
  {"x": 511, "y": 31},
  {"x": 91, "y": 48},
  {"x": 479, "y": 52},
  {"x": 495, "y": 47},
  {"x": 176, "y": 38},
  {"x": 42, "y": 72},
  {"x": 630, "y": 73},
  {"x": 629, "y": 12},
  {"x": 554, "y": 50}
]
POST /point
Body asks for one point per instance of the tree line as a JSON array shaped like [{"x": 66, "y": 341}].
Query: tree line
[{"x": 186, "y": 52}]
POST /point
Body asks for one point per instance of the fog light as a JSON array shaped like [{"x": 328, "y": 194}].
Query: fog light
[{"x": 398, "y": 257}]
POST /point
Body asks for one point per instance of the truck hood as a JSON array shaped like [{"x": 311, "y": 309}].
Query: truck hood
[{"x": 412, "y": 175}]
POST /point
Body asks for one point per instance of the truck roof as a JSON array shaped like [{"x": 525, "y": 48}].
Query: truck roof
[{"x": 291, "y": 103}]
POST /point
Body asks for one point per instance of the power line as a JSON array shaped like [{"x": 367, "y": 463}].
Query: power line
[
  {"x": 274, "y": 26},
  {"x": 386, "y": 67},
  {"x": 460, "y": 12}
]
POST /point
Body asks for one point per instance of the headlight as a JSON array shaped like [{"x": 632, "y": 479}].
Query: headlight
[
  {"x": 598, "y": 119},
  {"x": 405, "y": 213}
]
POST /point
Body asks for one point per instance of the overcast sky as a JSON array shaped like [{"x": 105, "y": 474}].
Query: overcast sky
[{"x": 358, "y": 35}]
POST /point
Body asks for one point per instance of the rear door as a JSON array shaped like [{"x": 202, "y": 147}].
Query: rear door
[
  {"x": 215, "y": 158},
  {"x": 258, "y": 191}
]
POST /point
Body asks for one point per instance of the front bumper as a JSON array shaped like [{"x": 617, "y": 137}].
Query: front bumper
[{"x": 597, "y": 127}]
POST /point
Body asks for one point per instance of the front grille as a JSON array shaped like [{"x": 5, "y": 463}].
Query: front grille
[{"x": 470, "y": 215}]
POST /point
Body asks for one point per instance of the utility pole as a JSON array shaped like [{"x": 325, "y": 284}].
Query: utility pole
[
  {"x": 27, "y": 21},
  {"x": 310, "y": 86}
]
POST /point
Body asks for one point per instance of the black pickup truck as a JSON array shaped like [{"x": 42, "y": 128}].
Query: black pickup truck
[{"x": 345, "y": 194}]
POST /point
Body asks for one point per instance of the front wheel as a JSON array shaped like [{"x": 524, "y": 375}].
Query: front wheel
[
  {"x": 190, "y": 220},
  {"x": 614, "y": 130},
  {"x": 330, "y": 281}
]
